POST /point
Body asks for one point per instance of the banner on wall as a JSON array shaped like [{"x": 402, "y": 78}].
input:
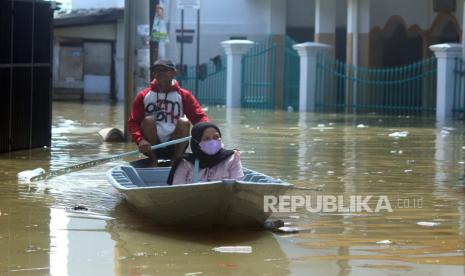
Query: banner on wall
[
  {"x": 188, "y": 4},
  {"x": 160, "y": 22}
]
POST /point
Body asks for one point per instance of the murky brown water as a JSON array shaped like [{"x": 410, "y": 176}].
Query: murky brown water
[{"x": 333, "y": 154}]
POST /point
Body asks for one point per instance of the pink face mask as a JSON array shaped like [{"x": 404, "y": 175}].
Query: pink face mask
[{"x": 211, "y": 147}]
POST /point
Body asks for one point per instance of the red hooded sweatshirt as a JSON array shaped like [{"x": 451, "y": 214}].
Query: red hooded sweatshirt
[{"x": 167, "y": 109}]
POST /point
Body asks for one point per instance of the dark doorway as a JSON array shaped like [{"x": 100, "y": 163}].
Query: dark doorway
[{"x": 400, "y": 47}]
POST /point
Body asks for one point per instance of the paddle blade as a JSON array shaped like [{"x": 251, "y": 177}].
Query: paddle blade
[{"x": 26, "y": 176}]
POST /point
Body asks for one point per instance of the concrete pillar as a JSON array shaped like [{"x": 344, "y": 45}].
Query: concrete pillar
[
  {"x": 325, "y": 22},
  {"x": 358, "y": 29},
  {"x": 357, "y": 48},
  {"x": 136, "y": 58},
  {"x": 277, "y": 17},
  {"x": 119, "y": 61},
  {"x": 234, "y": 50},
  {"x": 446, "y": 55},
  {"x": 308, "y": 53},
  {"x": 463, "y": 33}
]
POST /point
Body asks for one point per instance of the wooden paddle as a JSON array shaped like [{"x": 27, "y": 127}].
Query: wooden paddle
[{"x": 39, "y": 174}]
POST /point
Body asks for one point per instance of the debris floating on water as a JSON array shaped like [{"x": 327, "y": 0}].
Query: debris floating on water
[
  {"x": 428, "y": 223},
  {"x": 193, "y": 273},
  {"x": 384, "y": 242},
  {"x": 27, "y": 175},
  {"x": 399, "y": 134},
  {"x": 271, "y": 259},
  {"x": 288, "y": 230},
  {"x": 273, "y": 224},
  {"x": 322, "y": 127},
  {"x": 80, "y": 208},
  {"x": 234, "y": 249},
  {"x": 29, "y": 269}
]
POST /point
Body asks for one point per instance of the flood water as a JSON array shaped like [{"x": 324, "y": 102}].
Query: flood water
[{"x": 419, "y": 169}]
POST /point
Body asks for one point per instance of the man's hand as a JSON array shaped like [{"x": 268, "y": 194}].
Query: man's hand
[{"x": 145, "y": 147}]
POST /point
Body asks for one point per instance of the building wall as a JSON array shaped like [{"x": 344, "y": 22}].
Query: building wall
[
  {"x": 300, "y": 13},
  {"x": 251, "y": 19},
  {"x": 401, "y": 32},
  {"x": 300, "y": 20},
  {"x": 341, "y": 13},
  {"x": 419, "y": 12},
  {"x": 93, "y": 84},
  {"x": 414, "y": 12},
  {"x": 103, "y": 31},
  {"x": 100, "y": 4}
]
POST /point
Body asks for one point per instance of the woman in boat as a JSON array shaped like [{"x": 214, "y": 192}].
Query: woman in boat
[{"x": 213, "y": 161}]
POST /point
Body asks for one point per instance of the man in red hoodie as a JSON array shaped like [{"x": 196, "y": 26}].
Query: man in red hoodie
[{"x": 159, "y": 114}]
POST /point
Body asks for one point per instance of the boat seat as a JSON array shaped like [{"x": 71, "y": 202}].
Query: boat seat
[
  {"x": 248, "y": 175},
  {"x": 122, "y": 179},
  {"x": 132, "y": 174},
  {"x": 253, "y": 176},
  {"x": 266, "y": 179},
  {"x": 152, "y": 178},
  {"x": 257, "y": 178}
]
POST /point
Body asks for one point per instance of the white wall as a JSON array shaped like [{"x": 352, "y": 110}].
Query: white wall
[
  {"x": 301, "y": 13},
  {"x": 96, "y": 4},
  {"x": 277, "y": 17},
  {"x": 250, "y": 18}
]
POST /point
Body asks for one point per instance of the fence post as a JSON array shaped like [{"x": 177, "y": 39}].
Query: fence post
[
  {"x": 446, "y": 55},
  {"x": 234, "y": 50},
  {"x": 308, "y": 53}
]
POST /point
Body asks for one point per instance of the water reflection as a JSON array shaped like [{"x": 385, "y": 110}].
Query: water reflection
[
  {"x": 304, "y": 147},
  {"x": 58, "y": 242},
  {"x": 144, "y": 248},
  {"x": 332, "y": 153}
]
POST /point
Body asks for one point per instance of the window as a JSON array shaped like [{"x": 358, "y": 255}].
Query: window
[{"x": 444, "y": 5}]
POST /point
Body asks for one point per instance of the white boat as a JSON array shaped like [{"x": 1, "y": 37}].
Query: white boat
[{"x": 227, "y": 203}]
